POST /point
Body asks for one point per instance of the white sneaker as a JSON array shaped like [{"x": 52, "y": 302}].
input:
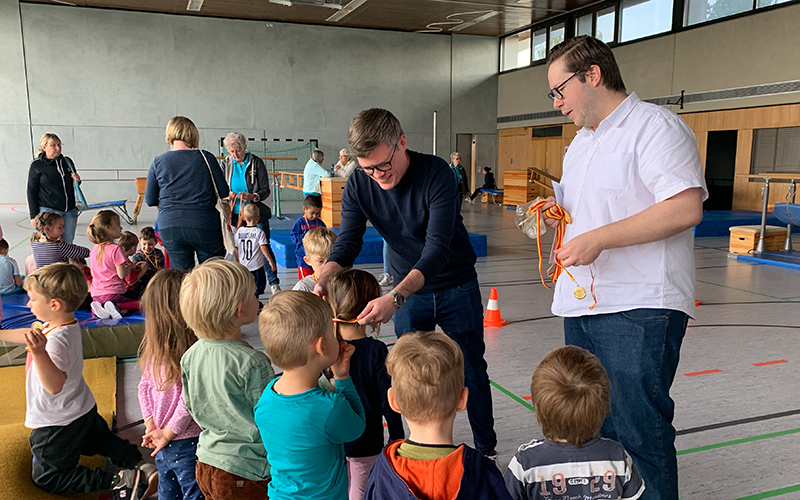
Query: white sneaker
[
  {"x": 386, "y": 280},
  {"x": 469, "y": 200},
  {"x": 99, "y": 310},
  {"x": 113, "y": 310},
  {"x": 275, "y": 289}
]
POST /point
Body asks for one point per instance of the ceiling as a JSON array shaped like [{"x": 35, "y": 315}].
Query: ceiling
[{"x": 502, "y": 16}]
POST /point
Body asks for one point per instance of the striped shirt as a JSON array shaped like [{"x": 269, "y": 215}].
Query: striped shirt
[
  {"x": 547, "y": 470},
  {"x": 45, "y": 252}
]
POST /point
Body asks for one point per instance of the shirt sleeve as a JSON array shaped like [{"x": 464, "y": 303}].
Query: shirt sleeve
[
  {"x": 146, "y": 388},
  {"x": 351, "y": 230},
  {"x": 58, "y": 350},
  {"x": 14, "y": 266},
  {"x": 257, "y": 379},
  {"x": 117, "y": 255},
  {"x": 518, "y": 489},
  {"x": 70, "y": 251},
  {"x": 180, "y": 417},
  {"x": 262, "y": 238},
  {"x": 297, "y": 232},
  {"x": 33, "y": 191},
  {"x": 444, "y": 204},
  {"x": 634, "y": 486},
  {"x": 346, "y": 421}
]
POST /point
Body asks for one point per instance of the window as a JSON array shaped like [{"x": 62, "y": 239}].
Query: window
[
  {"x": 767, "y": 3},
  {"x": 776, "y": 150},
  {"x": 556, "y": 35},
  {"x": 583, "y": 25},
  {"x": 516, "y": 51},
  {"x": 605, "y": 24},
  {"x": 540, "y": 45},
  {"x": 700, "y": 11},
  {"x": 641, "y": 18}
]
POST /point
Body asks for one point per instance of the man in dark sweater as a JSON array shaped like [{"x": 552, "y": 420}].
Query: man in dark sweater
[{"x": 411, "y": 200}]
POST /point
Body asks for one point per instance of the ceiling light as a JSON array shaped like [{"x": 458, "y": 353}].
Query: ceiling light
[
  {"x": 194, "y": 5},
  {"x": 336, "y": 6},
  {"x": 474, "y": 21},
  {"x": 287, "y": 3},
  {"x": 62, "y": 2},
  {"x": 347, "y": 9}
]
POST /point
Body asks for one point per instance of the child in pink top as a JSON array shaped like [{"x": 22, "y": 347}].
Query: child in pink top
[
  {"x": 170, "y": 430},
  {"x": 110, "y": 266}
]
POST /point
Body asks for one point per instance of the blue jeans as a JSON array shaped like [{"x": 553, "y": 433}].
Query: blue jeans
[
  {"x": 183, "y": 242},
  {"x": 640, "y": 350},
  {"x": 70, "y": 222},
  {"x": 176, "y": 464},
  {"x": 261, "y": 281},
  {"x": 385, "y": 258},
  {"x": 459, "y": 312},
  {"x": 272, "y": 276}
]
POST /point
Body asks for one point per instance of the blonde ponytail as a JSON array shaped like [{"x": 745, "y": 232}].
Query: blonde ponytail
[{"x": 97, "y": 230}]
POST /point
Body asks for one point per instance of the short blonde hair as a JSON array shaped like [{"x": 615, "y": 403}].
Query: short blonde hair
[
  {"x": 427, "y": 371},
  {"x": 210, "y": 294},
  {"x": 319, "y": 241},
  {"x": 570, "y": 393},
  {"x": 46, "y": 140},
  {"x": 127, "y": 240},
  {"x": 251, "y": 212},
  {"x": 183, "y": 129},
  {"x": 60, "y": 281},
  {"x": 289, "y": 323}
]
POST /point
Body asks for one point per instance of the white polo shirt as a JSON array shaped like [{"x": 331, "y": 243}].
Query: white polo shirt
[{"x": 641, "y": 154}]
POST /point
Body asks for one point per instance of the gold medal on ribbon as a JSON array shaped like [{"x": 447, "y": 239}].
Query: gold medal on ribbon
[
  {"x": 37, "y": 325},
  {"x": 579, "y": 293}
]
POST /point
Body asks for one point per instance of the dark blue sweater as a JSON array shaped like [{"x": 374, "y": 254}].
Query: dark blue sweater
[
  {"x": 180, "y": 185},
  {"x": 419, "y": 218}
]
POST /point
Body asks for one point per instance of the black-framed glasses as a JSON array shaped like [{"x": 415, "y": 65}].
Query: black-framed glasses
[
  {"x": 555, "y": 93},
  {"x": 380, "y": 167}
]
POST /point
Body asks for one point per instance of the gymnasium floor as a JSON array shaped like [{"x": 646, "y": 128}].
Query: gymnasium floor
[{"x": 737, "y": 390}]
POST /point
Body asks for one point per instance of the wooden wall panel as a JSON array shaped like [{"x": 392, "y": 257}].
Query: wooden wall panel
[
  {"x": 741, "y": 186},
  {"x": 702, "y": 147}
]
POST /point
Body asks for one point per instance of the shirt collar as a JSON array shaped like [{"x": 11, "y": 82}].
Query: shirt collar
[{"x": 617, "y": 116}]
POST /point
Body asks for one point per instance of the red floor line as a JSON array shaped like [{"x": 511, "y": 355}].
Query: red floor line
[
  {"x": 706, "y": 372},
  {"x": 766, "y": 363},
  {"x": 526, "y": 398}
]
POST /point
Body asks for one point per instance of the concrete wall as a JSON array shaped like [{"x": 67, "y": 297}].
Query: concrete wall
[
  {"x": 108, "y": 81},
  {"x": 757, "y": 49}
]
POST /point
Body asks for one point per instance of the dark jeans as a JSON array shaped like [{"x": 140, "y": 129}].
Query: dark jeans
[
  {"x": 261, "y": 281},
  {"x": 176, "y": 464},
  {"x": 56, "y": 451},
  {"x": 459, "y": 312},
  {"x": 272, "y": 276},
  {"x": 183, "y": 242},
  {"x": 640, "y": 350}
]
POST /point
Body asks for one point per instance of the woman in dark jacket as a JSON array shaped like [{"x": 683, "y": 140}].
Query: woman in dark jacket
[
  {"x": 180, "y": 185},
  {"x": 50, "y": 185},
  {"x": 247, "y": 176}
]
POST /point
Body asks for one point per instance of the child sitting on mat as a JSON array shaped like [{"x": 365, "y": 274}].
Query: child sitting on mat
[
  {"x": 312, "y": 207},
  {"x": 130, "y": 244},
  {"x": 46, "y": 242},
  {"x": 10, "y": 280},
  {"x": 152, "y": 256},
  {"x": 61, "y": 409},
  {"x": 318, "y": 244}
]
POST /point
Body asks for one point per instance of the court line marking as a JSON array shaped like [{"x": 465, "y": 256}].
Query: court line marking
[
  {"x": 739, "y": 289},
  {"x": 767, "y": 363},
  {"x": 738, "y": 441},
  {"x": 511, "y": 395},
  {"x": 741, "y": 421},
  {"x": 771, "y": 493},
  {"x": 704, "y": 372}
]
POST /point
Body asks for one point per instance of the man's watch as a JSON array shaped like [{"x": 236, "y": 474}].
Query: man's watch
[{"x": 399, "y": 300}]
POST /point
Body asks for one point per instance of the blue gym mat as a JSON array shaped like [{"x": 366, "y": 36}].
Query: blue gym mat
[
  {"x": 719, "y": 222},
  {"x": 16, "y": 314}
]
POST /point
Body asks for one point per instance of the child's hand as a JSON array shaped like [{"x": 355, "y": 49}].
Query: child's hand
[
  {"x": 140, "y": 266},
  {"x": 341, "y": 369},
  {"x": 159, "y": 438},
  {"x": 36, "y": 341}
]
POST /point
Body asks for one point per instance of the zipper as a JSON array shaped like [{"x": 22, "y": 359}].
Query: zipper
[{"x": 64, "y": 185}]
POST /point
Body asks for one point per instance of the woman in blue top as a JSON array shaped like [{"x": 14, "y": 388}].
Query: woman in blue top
[
  {"x": 312, "y": 173},
  {"x": 179, "y": 183},
  {"x": 247, "y": 176}
]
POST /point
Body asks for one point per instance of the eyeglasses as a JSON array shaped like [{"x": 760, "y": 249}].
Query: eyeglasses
[
  {"x": 555, "y": 93},
  {"x": 380, "y": 167}
]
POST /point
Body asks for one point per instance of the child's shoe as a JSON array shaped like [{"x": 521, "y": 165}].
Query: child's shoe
[
  {"x": 99, "y": 310},
  {"x": 150, "y": 473},
  {"x": 131, "y": 485},
  {"x": 112, "y": 310},
  {"x": 275, "y": 289}
]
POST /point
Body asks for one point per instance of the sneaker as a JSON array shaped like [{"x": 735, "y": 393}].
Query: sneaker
[
  {"x": 99, "y": 310},
  {"x": 150, "y": 473},
  {"x": 386, "y": 280},
  {"x": 112, "y": 310},
  {"x": 131, "y": 485},
  {"x": 275, "y": 289},
  {"x": 469, "y": 200}
]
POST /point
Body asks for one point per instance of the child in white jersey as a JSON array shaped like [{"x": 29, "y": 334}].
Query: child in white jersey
[{"x": 251, "y": 244}]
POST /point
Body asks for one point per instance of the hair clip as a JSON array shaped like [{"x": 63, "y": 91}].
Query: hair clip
[{"x": 351, "y": 321}]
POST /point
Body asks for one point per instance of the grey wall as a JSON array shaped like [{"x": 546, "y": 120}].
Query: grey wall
[
  {"x": 757, "y": 49},
  {"x": 108, "y": 81}
]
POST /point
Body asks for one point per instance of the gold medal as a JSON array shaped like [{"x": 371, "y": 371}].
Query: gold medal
[
  {"x": 579, "y": 293},
  {"x": 37, "y": 325}
]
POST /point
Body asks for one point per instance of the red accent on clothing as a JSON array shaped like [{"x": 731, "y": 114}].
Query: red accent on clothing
[
  {"x": 438, "y": 479},
  {"x": 302, "y": 272}
]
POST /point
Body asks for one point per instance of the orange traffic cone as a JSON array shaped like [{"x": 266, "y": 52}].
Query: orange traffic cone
[{"x": 492, "y": 316}]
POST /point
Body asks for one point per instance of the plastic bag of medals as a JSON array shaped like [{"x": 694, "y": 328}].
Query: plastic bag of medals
[{"x": 525, "y": 219}]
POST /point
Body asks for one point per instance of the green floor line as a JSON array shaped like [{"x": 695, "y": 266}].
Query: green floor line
[
  {"x": 20, "y": 243},
  {"x": 739, "y": 289},
  {"x": 790, "y": 298},
  {"x": 738, "y": 441},
  {"x": 511, "y": 395},
  {"x": 773, "y": 493}
]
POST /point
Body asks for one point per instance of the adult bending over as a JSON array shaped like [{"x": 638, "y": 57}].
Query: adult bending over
[
  {"x": 312, "y": 173},
  {"x": 50, "y": 185},
  {"x": 411, "y": 200},
  {"x": 247, "y": 176},
  {"x": 180, "y": 185},
  {"x": 345, "y": 166},
  {"x": 634, "y": 187}
]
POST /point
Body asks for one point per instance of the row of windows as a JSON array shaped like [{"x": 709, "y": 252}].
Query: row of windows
[{"x": 621, "y": 22}]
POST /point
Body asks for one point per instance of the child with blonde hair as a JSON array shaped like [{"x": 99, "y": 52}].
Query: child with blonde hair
[
  {"x": 223, "y": 378},
  {"x": 251, "y": 244},
  {"x": 46, "y": 243},
  {"x": 318, "y": 243},
  {"x": 427, "y": 371},
  {"x": 110, "y": 266},
  {"x": 570, "y": 394},
  {"x": 349, "y": 292},
  {"x": 304, "y": 427},
  {"x": 170, "y": 429}
]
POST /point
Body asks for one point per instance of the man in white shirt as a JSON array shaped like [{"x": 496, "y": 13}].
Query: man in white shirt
[{"x": 634, "y": 187}]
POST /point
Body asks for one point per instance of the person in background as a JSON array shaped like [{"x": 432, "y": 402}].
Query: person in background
[
  {"x": 249, "y": 182},
  {"x": 312, "y": 206},
  {"x": 312, "y": 173},
  {"x": 10, "y": 280},
  {"x": 460, "y": 174},
  {"x": 150, "y": 255},
  {"x": 251, "y": 248},
  {"x": 47, "y": 245},
  {"x": 50, "y": 184},
  {"x": 488, "y": 183},
  {"x": 345, "y": 166},
  {"x": 317, "y": 245}
]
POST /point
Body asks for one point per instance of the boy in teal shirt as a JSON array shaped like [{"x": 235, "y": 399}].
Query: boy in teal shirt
[{"x": 304, "y": 427}]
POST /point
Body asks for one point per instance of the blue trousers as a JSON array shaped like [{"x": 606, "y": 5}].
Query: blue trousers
[
  {"x": 640, "y": 350},
  {"x": 182, "y": 243},
  {"x": 176, "y": 464},
  {"x": 70, "y": 222},
  {"x": 459, "y": 313},
  {"x": 385, "y": 258},
  {"x": 272, "y": 276}
]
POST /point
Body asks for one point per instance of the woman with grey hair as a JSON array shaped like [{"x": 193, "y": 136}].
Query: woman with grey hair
[
  {"x": 346, "y": 166},
  {"x": 313, "y": 172},
  {"x": 247, "y": 176}
]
